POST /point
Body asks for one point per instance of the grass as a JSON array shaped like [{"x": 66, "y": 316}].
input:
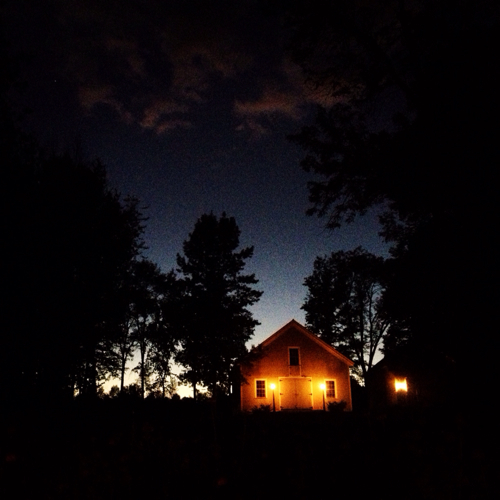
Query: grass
[{"x": 167, "y": 449}]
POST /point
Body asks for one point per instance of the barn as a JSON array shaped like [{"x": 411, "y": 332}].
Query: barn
[{"x": 293, "y": 369}]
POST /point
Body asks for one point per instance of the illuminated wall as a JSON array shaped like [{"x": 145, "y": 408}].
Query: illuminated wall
[{"x": 319, "y": 376}]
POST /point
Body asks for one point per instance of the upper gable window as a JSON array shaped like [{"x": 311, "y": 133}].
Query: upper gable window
[{"x": 293, "y": 356}]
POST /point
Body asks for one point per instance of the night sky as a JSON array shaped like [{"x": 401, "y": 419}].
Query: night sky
[{"x": 188, "y": 105}]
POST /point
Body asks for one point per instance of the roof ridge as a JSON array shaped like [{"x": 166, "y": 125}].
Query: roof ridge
[{"x": 311, "y": 335}]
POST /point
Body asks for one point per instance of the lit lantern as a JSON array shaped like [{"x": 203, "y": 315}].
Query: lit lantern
[
  {"x": 272, "y": 387},
  {"x": 401, "y": 385},
  {"x": 322, "y": 387}
]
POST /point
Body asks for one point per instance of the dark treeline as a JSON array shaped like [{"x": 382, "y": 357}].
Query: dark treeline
[
  {"x": 69, "y": 247},
  {"x": 344, "y": 305},
  {"x": 411, "y": 129},
  {"x": 80, "y": 300}
]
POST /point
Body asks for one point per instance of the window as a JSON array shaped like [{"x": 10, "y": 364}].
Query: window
[
  {"x": 293, "y": 355},
  {"x": 330, "y": 388},
  {"x": 260, "y": 388}
]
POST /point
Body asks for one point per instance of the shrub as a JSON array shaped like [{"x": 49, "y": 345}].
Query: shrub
[
  {"x": 261, "y": 409},
  {"x": 337, "y": 406}
]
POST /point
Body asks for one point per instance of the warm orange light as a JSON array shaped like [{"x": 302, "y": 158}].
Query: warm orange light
[
  {"x": 322, "y": 387},
  {"x": 401, "y": 385},
  {"x": 272, "y": 386}
]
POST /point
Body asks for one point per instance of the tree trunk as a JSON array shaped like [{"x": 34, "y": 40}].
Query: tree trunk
[
  {"x": 142, "y": 373},
  {"x": 122, "y": 378}
]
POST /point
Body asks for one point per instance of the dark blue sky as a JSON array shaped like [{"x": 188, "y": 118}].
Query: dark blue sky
[{"x": 188, "y": 106}]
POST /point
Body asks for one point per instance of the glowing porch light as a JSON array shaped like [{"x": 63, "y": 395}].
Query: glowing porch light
[
  {"x": 272, "y": 387},
  {"x": 322, "y": 387},
  {"x": 401, "y": 385}
]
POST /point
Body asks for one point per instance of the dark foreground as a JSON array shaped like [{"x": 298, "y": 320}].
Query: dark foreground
[{"x": 167, "y": 449}]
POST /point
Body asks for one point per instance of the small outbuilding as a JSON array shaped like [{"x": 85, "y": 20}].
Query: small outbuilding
[
  {"x": 293, "y": 369},
  {"x": 412, "y": 375}
]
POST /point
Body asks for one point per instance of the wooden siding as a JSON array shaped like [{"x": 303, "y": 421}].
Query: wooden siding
[{"x": 317, "y": 363}]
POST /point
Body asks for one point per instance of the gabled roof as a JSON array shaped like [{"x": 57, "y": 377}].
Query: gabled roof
[{"x": 297, "y": 326}]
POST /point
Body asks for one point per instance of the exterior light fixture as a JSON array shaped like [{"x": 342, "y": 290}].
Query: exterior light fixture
[
  {"x": 272, "y": 387},
  {"x": 400, "y": 385}
]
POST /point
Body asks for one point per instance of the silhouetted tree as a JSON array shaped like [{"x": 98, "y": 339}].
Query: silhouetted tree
[
  {"x": 70, "y": 244},
  {"x": 149, "y": 325},
  {"x": 114, "y": 391},
  {"x": 124, "y": 345},
  {"x": 162, "y": 336},
  {"x": 67, "y": 244},
  {"x": 412, "y": 127},
  {"x": 411, "y": 89},
  {"x": 344, "y": 304},
  {"x": 215, "y": 295}
]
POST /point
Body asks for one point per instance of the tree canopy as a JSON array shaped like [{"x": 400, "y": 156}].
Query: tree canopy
[
  {"x": 412, "y": 101},
  {"x": 411, "y": 127},
  {"x": 214, "y": 319},
  {"x": 70, "y": 241},
  {"x": 147, "y": 327},
  {"x": 344, "y": 304},
  {"x": 75, "y": 285}
]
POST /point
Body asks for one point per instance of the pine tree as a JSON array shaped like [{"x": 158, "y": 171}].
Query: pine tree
[{"x": 213, "y": 309}]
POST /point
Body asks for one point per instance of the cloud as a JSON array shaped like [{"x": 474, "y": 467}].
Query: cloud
[
  {"x": 253, "y": 127},
  {"x": 288, "y": 97},
  {"x": 154, "y": 69},
  {"x": 161, "y": 64},
  {"x": 259, "y": 115},
  {"x": 163, "y": 115},
  {"x": 92, "y": 96},
  {"x": 284, "y": 95},
  {"x": 271, "y": 102},
  {"x": 166, "y": 125}
]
